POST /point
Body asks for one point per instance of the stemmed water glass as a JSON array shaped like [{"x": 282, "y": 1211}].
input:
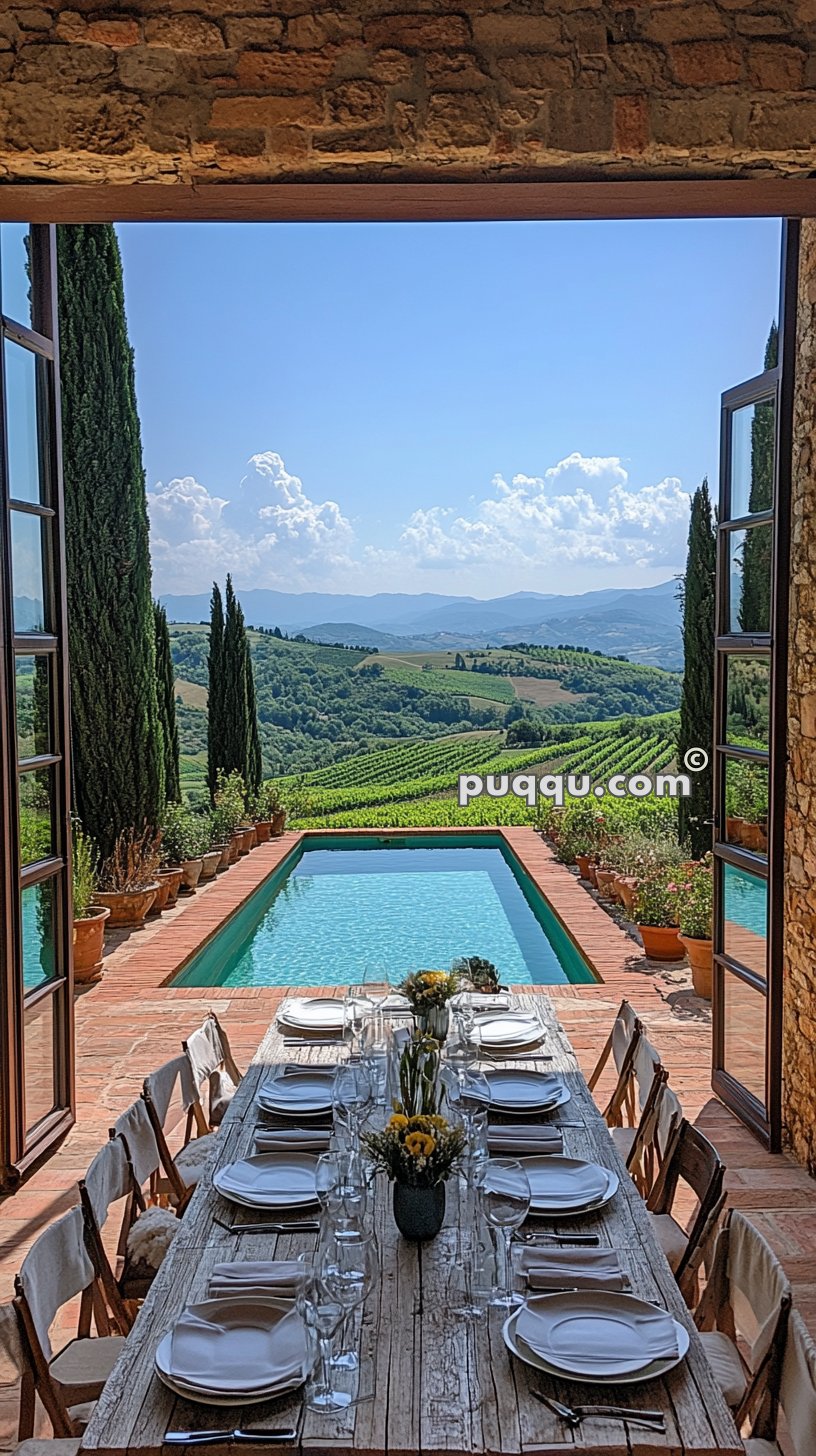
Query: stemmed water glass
[
  {"x": 340, "y": 1181},
  {"x": 322, "y": 1313},
  {"x": 351, "y": 1095},
  {"x": 506, "y": 1202},
  {"x": 348, "y": 1266},
  {"x": 357, "y": 1008}
]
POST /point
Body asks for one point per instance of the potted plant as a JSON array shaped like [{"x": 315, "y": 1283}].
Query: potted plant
[
  {"x": 220, "y": 838},
  {"x": 480, "y": 974},
  {"x": 418, "y": 1149},
  {"x": 695, "y": 910},
  {"x": 184, "y": 840},
  {"x": 128, "y": 876},
  {"x": 261, "y": 815},
  {"x": 210, "y": 853},
  {"x": 429, "y": 993},
  {"x": 655, "y": 911},
  {"x": 229, "y": 802},
  {"x": 89, "y": 918}
]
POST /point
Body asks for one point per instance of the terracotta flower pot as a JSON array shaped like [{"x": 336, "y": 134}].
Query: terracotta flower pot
[
  {"x": 701, "y": 959},
  {"x": 128, "y": 907},
  {"x": 209, "y": 864},
  {"x": 628, "y": 887},
  {"x": 751, "y": 836},
  {"x": 661, "y": 942},
  {"x": 278, "y": 823},
  {"x": 89, "y": 938},
  {"x": 592, "y": 873},
  {"x": 245, "y": 838},
  {"x": 603, "y": 879},
  {"x": 263, "y": 831},
  {"x": 253, "y": 837},
  {"x": 190, "y": 875},
  {"x": 732, "y": 829},
  {"x": 582, "y": 861},
  {"x": 224, "y": 856},
  {"x": 171, "y": 874},
  {"x": 234, "y": 846},
  {"x": 161, "y": 897}
]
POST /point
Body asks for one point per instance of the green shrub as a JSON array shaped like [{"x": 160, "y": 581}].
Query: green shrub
[
  {"x": 185, "y": 835},
  {"x": 85, "y": 875}
]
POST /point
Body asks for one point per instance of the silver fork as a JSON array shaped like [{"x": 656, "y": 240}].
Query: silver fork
[{"x": 652, "y": 1420}]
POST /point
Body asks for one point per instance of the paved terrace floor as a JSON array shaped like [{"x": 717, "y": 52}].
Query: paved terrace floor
[{"x": 131, "y": 1021}]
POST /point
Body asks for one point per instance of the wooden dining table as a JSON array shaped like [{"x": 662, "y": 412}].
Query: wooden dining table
[{"x": 430, "y": 1380}]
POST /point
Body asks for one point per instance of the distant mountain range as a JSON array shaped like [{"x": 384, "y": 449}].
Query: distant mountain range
[{"x": 642, "y": 623}]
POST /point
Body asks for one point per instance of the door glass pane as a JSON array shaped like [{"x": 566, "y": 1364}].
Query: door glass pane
[
  {"x": 39, "y": 962},
  {"x": 15, "y": 283},
  {"x": 752, "y": 458},
  {"x": 747, "y": 700},
  {"x": 26, "y": 382},
  {"x": 746, "y": 805},
  {"x": 28, "y": 537},
  {"x": 749, "y": 584},
  {"x": 33, "y": 697},
  {"x": 744, "y": 1026},
  {"x": 745, "y": 918},
  {"x": 39, "y": 1039},
  {"x": 37, "y": 829}
]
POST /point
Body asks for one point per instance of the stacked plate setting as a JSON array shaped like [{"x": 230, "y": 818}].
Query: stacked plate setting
[
  {"x": 595, "y": 1336},
  {"x": 235, "y": 1351},
  {"x": 563, "y": 1187},
  {"x": 269, "y": 1180},
  {"x": 312, "y": 1016},
  {"x": 507, "y": 1031},
  {"x": 300, "y": 1095},
  {"x": 525, "y": 1092}
]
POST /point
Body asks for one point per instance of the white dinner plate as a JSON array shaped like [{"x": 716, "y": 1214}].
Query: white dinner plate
[
  {"x": 653, "y": 1371},
  {"x": 306, "y": 1093},
  {"x": 507, "y": 1029},
  {"x": 207, "y": 1397},
  {"x": 520, "y": 1090},
  {"x": 313, "y": 1013},
  {"x": 563, "y": 1187},
  {"x": 235, "y": 1346},
  {"x": 269, "y": 1180}
]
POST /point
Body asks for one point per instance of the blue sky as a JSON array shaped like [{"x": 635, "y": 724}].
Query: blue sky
[{"x": 473, "y": 408}]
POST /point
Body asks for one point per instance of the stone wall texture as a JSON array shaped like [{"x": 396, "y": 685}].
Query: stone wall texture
[
  {"x": 799, "y": 1028},
  {"x": 255, "y": 90}
]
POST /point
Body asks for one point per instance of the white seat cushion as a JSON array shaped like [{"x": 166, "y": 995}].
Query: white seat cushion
[
  {"x": 754, "y": 1447},
  {"x": 62, "y": 1446},
  {"x": 723, "y": 1357},
  {"x": 623, "y": 1138},
  {"x": 192, "y": 1160},
  {"x": 671, "y": 1238},
  {"x": 87, "y": 1362}
]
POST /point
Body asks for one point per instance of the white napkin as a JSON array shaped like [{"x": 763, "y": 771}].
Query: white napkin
[
  {"x": 216, "y": 1357},
  {"x": 484, "y": 1000},
  {"x": 302, "y": 1139},
  {"x": 280, "y": 1278},
  {"x": 523, "y": 1138},
  {"x": 572, "y": 1268},
  {"x": 597, "y": 1341}
]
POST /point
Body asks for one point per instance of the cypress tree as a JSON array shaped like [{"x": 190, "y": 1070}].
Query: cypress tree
[
  {"x": 254, "y": 772},
  {"x": 697, "y": 697},
  {"x": 215, "y": 695},
  {"x": 118, "y": 752},
  {"x": 166, "y": 687},
  {"x": 755, "y": 599}
]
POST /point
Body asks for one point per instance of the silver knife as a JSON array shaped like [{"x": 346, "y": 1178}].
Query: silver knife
[
  {"x": 312, "y": 1227},
  {"x": 213, "y": 1438}
]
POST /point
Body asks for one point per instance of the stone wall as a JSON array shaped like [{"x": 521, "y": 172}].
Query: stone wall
[
  {"x": 799, "y": 1027},
  {"x": 234, "y": 90}
]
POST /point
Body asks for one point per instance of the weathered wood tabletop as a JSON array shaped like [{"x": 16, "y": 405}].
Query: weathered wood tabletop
[{"x": 430, "y": 1381}]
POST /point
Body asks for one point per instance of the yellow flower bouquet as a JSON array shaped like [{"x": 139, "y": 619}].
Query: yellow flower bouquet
[
  {"x": 426, "y": 989},
  {"x": 418, "y": 1152}
]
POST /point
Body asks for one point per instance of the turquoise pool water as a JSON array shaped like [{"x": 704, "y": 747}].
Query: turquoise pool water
[{"x": 381, "y": 908}]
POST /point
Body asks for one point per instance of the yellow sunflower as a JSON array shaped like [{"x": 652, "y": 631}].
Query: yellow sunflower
[
  {"x": 420, "y": 1144},
  {"x": 398, "y": 1122}
]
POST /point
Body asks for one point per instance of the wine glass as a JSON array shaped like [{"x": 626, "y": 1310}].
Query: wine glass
[
  {"x": 357, "y": 1008},
  {"x": 374, "y": 1056},
  {"x": 466, "y": 1016},
  {"x": 322, "y": 1313},
  {"x": 351, "y": 1095},
  {"x": 341, "y": 1186},
  {"x": 506, "y": 1202},
  {"x": 347, "y": 1266}
]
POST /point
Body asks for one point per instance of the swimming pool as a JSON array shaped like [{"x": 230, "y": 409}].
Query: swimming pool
[{"x": 382, "y": 906}]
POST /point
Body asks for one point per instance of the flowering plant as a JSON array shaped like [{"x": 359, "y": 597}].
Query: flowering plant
[
  {"x": 425, "y": 989},
  {"x": 418, "y": 1151},
  {"x": 656, "y": 900},
  {"x": 695, "y": 902}
]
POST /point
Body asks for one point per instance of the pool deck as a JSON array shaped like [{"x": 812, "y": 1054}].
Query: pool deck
[{"x": 132, "y": 1020}]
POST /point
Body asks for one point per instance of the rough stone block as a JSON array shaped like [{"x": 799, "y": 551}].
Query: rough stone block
[
  {"x": 707, "y": 62},
  {"x": 148, "y": 69},
  {"x": 418, "y": 32},
  {"x": 250, "y": 32},
  {"x": 781, "y": 126},
  {"x": 459, "y": 119},
  {"x": 61, "y": 65},
  {"x": 114, "y": 33},
  {"x": 580, "y": 121},
  {"x": 184, "y": 33},
  {"x": 536, "y": 72},
  {"x": 283, "y": 71},
  {"x": 693, "y": 122},
  {"x": 522, "y": 32},
  {"x": 631, "y": 123},
  {"x": 252, "y": 113},
  {"x": 668, "y": 23},
  {"x": 356, "y": 103},
  {"x": 774, "y": 67}
]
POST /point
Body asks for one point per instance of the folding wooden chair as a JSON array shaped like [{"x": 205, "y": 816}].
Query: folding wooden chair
[
  {"x": 111, "y": 1179},
  {"x": 796, "y": 1394},
  {"x": 55, "y": 1270},
  {"x": 212, "y": 1064},
  {"x": 644, "y": 1067},
  {"x": 747, "y": 1299},
  {"x": 691, "y": 1159},
  {"x": 183, "y": 1169},
  {"x": 621, "y": 1045}
]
